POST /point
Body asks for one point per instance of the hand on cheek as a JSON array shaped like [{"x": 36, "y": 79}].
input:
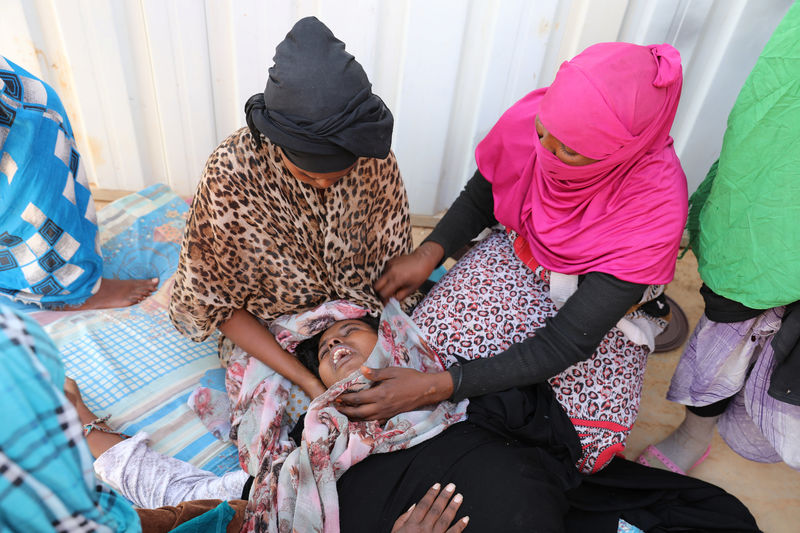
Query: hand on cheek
[{"x": 394, "y": 391}]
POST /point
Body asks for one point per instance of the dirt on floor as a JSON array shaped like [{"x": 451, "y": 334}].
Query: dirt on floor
[{"x": 770, "y": 491}]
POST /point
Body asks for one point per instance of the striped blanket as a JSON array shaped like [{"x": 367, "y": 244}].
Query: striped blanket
[{"x": 131, "y": 362}]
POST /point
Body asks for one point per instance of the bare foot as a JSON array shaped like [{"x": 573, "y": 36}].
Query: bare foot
[{"x": 118, "y": 293}]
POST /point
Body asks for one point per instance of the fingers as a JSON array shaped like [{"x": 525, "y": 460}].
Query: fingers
[
  {"x": 439, "y": 510},
  {"x": 355, "y": 407},
  {"x": 440, "y": 504},
  {"x": 382, "y": 282},
  {"x": 349, "y": 399},
  {"x": 402, "y": 519},
  {"x": 402, "y": 276},
  {"x": 389, "y": 287},
  {"x": 424, "y": 505},
  {"x": 389, "y": 281},
  {"x": 371, "y": 393},
  {"x": 447, "y": 517},
  {"x": 375, "y": 374},
  {"x": 395, "y": 390},
  {"x": 354, "y": 399},
  {"x": 444, "y": 508},
  {"x": 459, "y": 526},
  {"x": 406, "y": 291},
  {"x": 364, "y": 412}
]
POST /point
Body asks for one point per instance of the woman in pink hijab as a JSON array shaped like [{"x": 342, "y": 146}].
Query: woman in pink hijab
[{"x": 584, "y": 177}]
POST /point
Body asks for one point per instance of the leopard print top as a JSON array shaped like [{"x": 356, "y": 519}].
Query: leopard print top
[{"x": 259, "y": 239}]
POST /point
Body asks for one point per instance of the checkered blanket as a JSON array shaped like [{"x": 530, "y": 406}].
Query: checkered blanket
[{"x": 131, "y": 362}]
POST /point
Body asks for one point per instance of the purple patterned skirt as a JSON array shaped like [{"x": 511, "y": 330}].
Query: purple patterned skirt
[{"x": 736, "y": 360}]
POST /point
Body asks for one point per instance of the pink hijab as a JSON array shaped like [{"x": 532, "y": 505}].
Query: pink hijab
[{"x": 622, "y": 215}]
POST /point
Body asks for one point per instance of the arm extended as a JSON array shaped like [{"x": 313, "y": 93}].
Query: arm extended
[
  {"x": 569, "y": 337},
  {"x": 251, "y": 336}
]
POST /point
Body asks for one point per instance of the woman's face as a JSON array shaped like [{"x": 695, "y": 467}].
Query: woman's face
[
  {"x": 343, "y": 348},
  {"x": 559, "y": 149},
  {"x": 320, "y": 180}
]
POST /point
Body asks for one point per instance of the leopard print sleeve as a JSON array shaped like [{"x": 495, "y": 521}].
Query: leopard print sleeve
[
  {"x": 260, "y": 240},
  {"x": 210, "y": 270}
]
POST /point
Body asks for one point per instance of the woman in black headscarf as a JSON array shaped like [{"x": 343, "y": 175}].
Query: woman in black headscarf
[{"x": 302, "y": 206}]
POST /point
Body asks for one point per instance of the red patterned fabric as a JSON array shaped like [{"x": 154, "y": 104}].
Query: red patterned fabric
[{"x": 490, "y": 300}]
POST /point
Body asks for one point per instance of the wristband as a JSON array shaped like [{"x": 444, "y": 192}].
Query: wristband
[{"x": 455, "y": 371}]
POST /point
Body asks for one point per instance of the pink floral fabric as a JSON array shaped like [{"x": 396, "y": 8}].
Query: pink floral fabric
[
  {"x": 289, "y": 330},
  {"x": 295, "y": 487},
  {"x": 213, "y": 409}
]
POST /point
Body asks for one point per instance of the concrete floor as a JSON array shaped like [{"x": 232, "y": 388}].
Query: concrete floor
[{"x": 770, "y": 491}]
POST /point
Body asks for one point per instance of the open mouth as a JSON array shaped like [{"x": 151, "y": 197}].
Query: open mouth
[{"x": 339, "y": 354}]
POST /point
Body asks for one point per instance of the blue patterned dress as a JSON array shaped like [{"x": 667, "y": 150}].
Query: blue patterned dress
[{"x": 49, "y": 249}]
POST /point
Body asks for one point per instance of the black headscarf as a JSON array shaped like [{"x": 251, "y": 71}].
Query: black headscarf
[{"x": 318, "y": 103}]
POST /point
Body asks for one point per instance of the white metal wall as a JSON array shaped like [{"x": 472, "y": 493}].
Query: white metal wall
[{"x": 152, "y": 86}]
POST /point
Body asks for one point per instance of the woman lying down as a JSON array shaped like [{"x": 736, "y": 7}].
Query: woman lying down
[
  {"x": 46, "y": 475},
  {"x": 511, "y": 455}
]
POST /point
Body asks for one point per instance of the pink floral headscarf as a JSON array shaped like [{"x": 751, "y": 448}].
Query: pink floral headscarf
[
  {"x": 622, "y": 215},
  {"x": 295, "y": 487}
]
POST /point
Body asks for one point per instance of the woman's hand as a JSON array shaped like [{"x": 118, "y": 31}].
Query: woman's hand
[
  {"x": 433, "y": 513},
  {"x": 405, "y": 273},
  {"x": 395, "y": 390}
]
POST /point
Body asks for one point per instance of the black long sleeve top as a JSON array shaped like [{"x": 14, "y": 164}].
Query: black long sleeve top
[{"x": 570, "y": 336}]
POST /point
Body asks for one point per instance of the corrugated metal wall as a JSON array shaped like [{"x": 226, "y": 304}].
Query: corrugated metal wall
[{"x": 152, "y": 86}]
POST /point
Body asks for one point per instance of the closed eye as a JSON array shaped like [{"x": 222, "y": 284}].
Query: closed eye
[
  {"x": 567, "y": 151},
  {"x": 343, "y": 332},
  {"x": 348, "y": 329}
]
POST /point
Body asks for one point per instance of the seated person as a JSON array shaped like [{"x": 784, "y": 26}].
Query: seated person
[
  {"x": 307, "y": 204},
  {"x": 515, "y": 447},
  {"x": 569, "y": 293},
  {"x": 49, "y": 240}
]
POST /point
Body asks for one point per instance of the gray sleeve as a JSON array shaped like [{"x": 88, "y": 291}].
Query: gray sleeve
[
  {"x": 570, "y": 336},
  {"x": 471, "y": 213}
]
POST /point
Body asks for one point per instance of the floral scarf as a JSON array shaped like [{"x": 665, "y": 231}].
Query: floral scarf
[{"x": 295, "y": 487}]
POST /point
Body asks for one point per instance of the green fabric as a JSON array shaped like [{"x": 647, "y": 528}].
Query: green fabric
[
  {"x": 213, "y": 521},
  {"x": 744, "y": 219}
]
